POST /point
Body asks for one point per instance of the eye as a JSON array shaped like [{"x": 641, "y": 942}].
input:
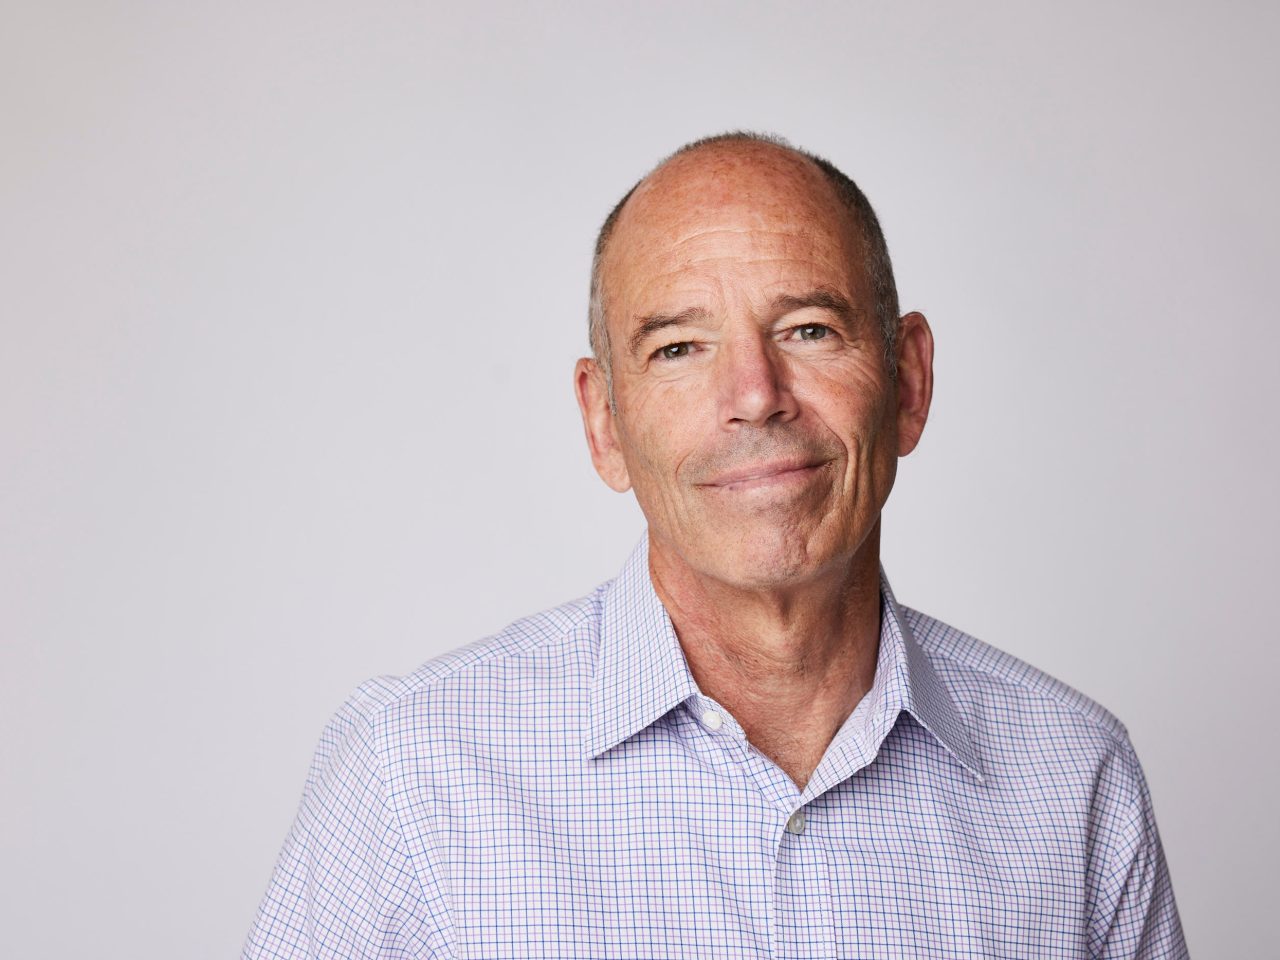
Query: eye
[
  {"x": 672, "y": 351},
  {"x": 813, "y": 331}
]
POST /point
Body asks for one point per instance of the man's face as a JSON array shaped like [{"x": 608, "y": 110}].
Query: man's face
[{"x": 755, "y": 418}]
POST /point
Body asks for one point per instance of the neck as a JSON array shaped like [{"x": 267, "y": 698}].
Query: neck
[{"x": 789, "y": 662}]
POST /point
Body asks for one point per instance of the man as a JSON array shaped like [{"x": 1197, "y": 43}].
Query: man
[{"x": 743, "y": 746}]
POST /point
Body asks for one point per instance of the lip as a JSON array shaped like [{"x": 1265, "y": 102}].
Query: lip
[{"x": 765, "y": 474}]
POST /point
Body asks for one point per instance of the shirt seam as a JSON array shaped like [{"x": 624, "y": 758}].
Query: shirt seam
[
  {"x": 1134, "y": 823},
  {"x": 394, "y": 689},
  {"x": 1108, "y": 723},
  {"x": 435, "y": 935}
]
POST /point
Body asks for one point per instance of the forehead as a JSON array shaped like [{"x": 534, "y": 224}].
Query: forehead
[{"x": 755, "y": 217}]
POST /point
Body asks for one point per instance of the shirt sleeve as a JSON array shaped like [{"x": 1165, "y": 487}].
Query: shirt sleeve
[
  {"x": 1135, "y": 916},
  {"x": 345, "y": 885}
]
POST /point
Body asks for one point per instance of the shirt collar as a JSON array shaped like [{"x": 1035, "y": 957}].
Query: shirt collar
[
  {"x": 641, "y": 674},
  {"x": 905, "y": 680}
]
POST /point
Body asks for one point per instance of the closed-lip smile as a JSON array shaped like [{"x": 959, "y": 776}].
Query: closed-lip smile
[{"x": 763, "y": 474}]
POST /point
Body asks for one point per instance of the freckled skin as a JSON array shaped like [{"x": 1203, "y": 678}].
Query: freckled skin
[{"x": 773, "y": 583}]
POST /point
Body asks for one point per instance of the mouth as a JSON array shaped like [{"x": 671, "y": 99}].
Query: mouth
[{"x": 766, "y": 475}]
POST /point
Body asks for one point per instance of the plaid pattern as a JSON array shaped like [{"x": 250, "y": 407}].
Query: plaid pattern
[{"x": 561, "y": 790}]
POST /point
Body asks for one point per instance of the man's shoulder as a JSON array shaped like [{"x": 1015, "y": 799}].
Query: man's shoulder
[
  {"x": 531, "y": 655},
  {"x": 983, "y": 678}
]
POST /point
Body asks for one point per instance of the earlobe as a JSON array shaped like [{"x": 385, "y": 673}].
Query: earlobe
[
  {"x": 599, "y": 426},
  {"x": 915, "y": 379}
]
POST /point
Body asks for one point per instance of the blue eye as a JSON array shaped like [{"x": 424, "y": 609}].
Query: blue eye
[
  {"x": 813, "y": 331},
  {"x": 672, "y": 351}
]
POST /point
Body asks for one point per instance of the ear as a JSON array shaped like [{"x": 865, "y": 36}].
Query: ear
[
  {"x": 914, "y": 351},
  {"x": 599, "y": 424}
]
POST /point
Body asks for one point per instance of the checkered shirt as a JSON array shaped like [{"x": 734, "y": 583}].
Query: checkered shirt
[{"x": 563, "y": 789}]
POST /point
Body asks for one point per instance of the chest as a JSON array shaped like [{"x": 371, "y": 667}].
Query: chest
[{"x": 660, "y": 855}]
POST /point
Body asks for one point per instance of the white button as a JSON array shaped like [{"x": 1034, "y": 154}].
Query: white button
[
  {"x": 712, "y": 720},
  {"x": 796, "y": 823}
]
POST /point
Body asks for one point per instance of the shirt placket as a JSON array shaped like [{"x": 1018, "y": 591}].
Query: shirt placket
[
  {"x": 802, "y": 920},
  {"x": 804, "y": 914},
  {"x": 803, "y": 909}
]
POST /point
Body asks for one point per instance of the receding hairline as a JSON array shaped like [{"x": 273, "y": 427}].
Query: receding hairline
[
  {"x": 728, "y": 144},
  {"x": 851, "y": 200}
]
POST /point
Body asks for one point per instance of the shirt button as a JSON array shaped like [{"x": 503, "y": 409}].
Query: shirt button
[
  {"x": 712, "y": 721},
  {"x": 796, "y": 823}
]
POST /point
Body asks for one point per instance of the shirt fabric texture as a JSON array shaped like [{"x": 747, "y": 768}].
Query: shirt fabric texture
[{"x": 563, "y": 789}]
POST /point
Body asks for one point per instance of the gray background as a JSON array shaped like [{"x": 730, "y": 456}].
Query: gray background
[{"x": 291, "y": 298}]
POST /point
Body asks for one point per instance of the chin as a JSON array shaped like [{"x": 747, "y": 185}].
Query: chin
[{"x": 759, "y": 559}]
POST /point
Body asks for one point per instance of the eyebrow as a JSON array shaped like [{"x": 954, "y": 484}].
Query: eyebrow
[
  {"x": 822, "y": 298},
  {"x": 660, "y": 321}
]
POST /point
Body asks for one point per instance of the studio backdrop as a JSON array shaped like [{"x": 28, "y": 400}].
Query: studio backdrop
[{"x": 291, "y": 298}]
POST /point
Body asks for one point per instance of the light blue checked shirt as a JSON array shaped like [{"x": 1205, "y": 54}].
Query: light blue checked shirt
[{"x": 563, "y": 789}]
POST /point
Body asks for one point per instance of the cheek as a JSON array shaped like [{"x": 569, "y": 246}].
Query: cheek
[
  {"x": 851, "y": 410},
  {"x": 657, "y": 437},
  {"x": 873, "y": 441}
]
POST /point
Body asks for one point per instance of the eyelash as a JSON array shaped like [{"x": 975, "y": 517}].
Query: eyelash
[{"x": 658, "y": 354}]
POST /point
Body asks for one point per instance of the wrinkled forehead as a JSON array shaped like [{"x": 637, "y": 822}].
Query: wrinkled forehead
[{"x": 707, "y": 211}]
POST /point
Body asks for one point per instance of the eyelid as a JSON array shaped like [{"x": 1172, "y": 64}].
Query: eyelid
[
  {"x": 657, "y": 354},
  {"x": 829, "y": 327}
]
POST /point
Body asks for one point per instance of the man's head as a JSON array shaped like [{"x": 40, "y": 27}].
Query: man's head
[{"x": 759, "y": 385}]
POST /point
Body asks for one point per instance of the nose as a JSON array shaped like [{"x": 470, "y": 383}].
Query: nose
[{"x": 754, "y": 383}]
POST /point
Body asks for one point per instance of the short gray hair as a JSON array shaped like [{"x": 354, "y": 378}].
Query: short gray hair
[{"x": 875, "y": 252}]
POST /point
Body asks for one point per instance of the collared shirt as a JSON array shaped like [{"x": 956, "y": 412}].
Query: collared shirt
[{"x": 564, "y": 789}]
